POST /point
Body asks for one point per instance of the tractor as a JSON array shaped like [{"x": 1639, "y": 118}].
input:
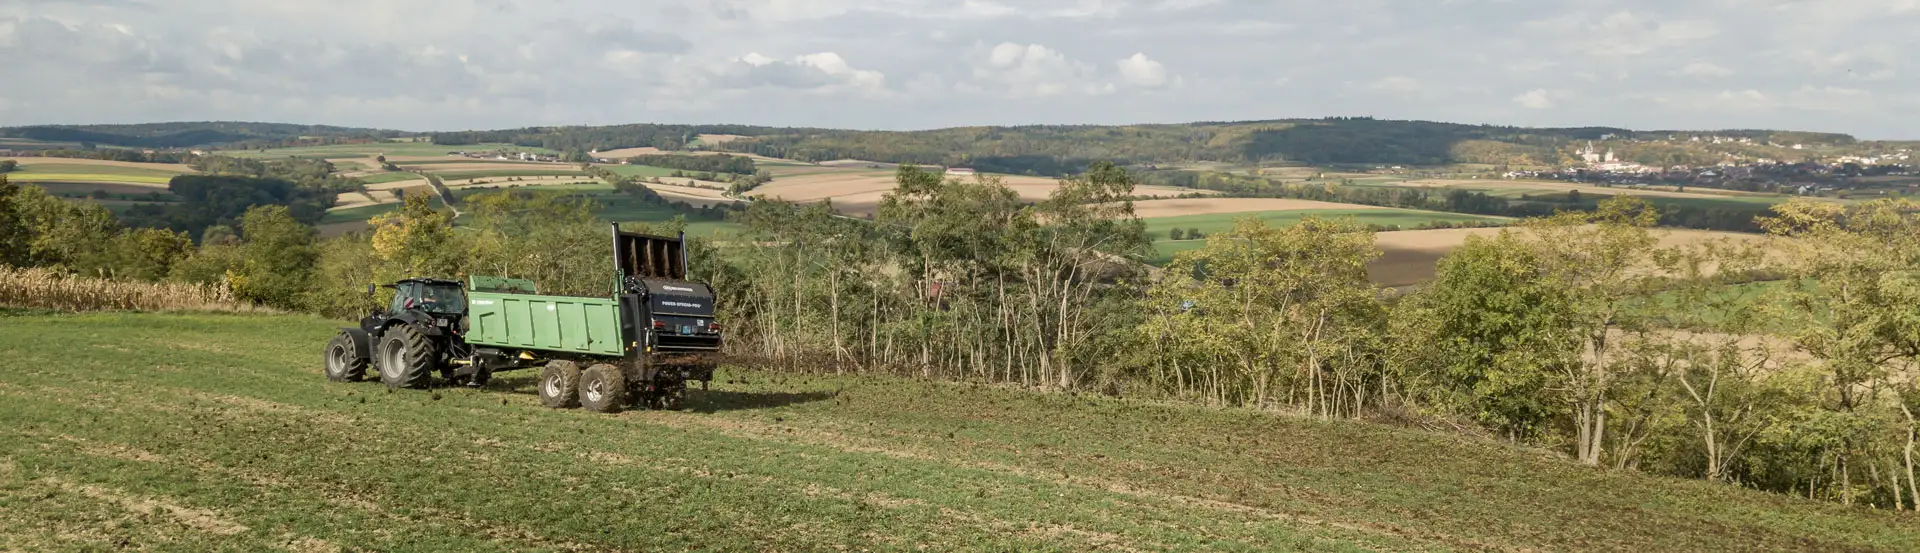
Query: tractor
[{"x": 638, "y": 347}]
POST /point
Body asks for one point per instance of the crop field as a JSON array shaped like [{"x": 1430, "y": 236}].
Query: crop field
[
  {"x": 113, "y": 188},
  {"x": 1211, "y": 223},
  {"x": 389, "y": 149},
  {"x": 62, "y": 170},
  {"x": 1409, "y": 257},
  {"x": 390, "y": 176},
  {"x": 859, "y": 191},
  {"x": 217, "y": 432}
]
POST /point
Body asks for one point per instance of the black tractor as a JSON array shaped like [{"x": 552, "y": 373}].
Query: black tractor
[{"x": 418, "y": 334}]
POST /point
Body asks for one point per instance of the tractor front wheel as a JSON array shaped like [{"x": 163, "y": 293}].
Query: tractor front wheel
[
  {"x": 560, "y": 385},
  {"x": 345, "y": 361},
  {"x": 406, "y": 358},
  {"x": 602, "y": 389}
]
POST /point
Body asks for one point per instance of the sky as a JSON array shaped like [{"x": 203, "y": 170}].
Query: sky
[{"x": 1849, "y": 66}]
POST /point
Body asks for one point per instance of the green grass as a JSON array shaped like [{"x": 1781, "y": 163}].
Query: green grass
[
  {"x": 35, "y": 171},
  {"x": 622, "y": 209},
  {"x": 394, "y": 176},
  {"x": 1209, "y": 224},
  {"x": 217, "y": 432}
]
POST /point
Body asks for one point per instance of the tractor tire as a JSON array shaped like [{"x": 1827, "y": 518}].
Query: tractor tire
[
  {"x": 559, "y": 385},
  {"x": 603, "y": 389},
  {"x": 406, "y": 358},
  {"x": 345, "y": 361}
]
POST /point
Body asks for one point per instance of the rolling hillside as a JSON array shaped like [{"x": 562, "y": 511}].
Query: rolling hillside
[{"x": 217, "y": 432}]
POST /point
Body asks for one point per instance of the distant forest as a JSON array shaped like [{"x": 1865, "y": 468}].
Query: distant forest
[
  {"x": 195, "y": 134},
  {"x": 1049, "y": 150}
]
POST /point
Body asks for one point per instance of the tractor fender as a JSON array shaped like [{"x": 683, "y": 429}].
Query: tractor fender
[{"x": 361, "y": 341}]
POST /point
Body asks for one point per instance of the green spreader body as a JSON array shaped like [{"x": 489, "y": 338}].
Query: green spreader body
[{"x": 579, "y": 325}]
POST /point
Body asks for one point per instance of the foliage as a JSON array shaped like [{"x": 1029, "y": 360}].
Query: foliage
[
  {"x": 722, "y": 163},
  {"x": 210, "y": 200},
  {"x": 1266, "y": 317}
]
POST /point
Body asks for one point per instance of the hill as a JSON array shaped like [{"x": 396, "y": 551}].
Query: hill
[
  {"x": 205, "y": 432},
  {"x": 190, "y": 134}
]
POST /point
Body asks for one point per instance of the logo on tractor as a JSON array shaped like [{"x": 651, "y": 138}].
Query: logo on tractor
[{"x": 677, "y": 289}]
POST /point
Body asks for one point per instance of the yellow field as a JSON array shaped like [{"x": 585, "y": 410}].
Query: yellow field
[
  {"x": 28, "y": 162},
  {"x": 858, "y": 192},
  {"x": 158, "y": 183}
]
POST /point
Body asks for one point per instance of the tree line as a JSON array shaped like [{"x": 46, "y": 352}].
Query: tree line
[
  {"x": 1577, "y": 332},
  {"x": 720, "y": 163}
]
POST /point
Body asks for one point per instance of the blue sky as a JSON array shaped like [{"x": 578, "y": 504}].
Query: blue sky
[{"x": 1828, "y": 65}]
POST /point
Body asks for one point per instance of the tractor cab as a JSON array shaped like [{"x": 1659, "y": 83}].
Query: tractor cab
[
  {"x": 440, "y": 297},
  {"x": 433, "y": 306}
]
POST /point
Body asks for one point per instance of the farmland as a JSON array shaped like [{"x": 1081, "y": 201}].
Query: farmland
[
  {"x": 371, "y": 149},
  {"x": 1159, "y": 228},
  {"x": 217, "y": 432}
]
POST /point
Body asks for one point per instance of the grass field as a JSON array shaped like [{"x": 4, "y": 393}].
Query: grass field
[
  {"x": 379, "y": 148},
  {"x": 392, "y": 176},
  {"x": 217, "y": 432},
  {"x": 38, "y": 170}
]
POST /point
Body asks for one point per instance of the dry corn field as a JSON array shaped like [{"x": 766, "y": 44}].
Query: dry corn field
[{"x": 44, "y": 289}]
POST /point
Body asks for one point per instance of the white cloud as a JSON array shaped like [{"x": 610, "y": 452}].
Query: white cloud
[
  {"x": 1537, "y": 98},
  {"x": 455, "y": 64},
  {"x": 1034, "y": 71},
  {"x": 1705, "y": 70},
  {"x": 1142, "y": 71},
  {"x": 1396, "y": 84}
]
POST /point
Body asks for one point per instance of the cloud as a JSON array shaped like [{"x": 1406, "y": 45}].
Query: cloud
[
  {"x": 1705, "y": 70},
  {"x": 810, "y": 71},
  {"x": 1026, "y": 71},
  {"x": 1534, "y": 99},
  {"x": 1396, "y": 84},
  {"x": 1839, "y": 65},
  {"x": 1142, "y": 71}
]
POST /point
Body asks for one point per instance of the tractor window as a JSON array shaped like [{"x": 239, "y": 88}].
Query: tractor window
[
  {"x": 401, "y": 293},
  {"x": 443, "y": 298}
]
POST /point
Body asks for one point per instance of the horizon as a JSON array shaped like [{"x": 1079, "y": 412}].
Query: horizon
[
  {"x": 932, "y": 129},
  {"x": 917, "y": 65}
]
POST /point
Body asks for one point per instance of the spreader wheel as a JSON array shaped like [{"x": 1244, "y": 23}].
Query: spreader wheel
[
  {"x": 602, "y": 389},
  {"x": 560, "y": 385}
]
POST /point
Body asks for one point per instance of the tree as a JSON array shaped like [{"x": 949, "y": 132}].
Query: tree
[
  {"x": 1176, "y": 234},
  {"x": 1194, "y": 234},
  {"x": 8, "y": 165},
  {"x": 1603, "y": 260},
  {"x": 16, "y": 236},
  {"x": 1854, "y": 313},
  {"x": 1261, "y": 316},
  {"x": 276, "y": 258},
  {"x": 1488, "y": 336}
]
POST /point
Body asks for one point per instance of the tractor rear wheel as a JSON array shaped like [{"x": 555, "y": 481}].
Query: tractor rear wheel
[
  {"x": 560, "y": 385},
  {"x": 345, "y": 361},
  {"x": 406, "y": 358},
  {"x": 603, "y": 389}
]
